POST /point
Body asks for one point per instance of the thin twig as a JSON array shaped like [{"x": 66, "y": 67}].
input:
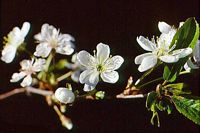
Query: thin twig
[
  {"x": 130, "y": 96},
  {"x": 23, "y": 90},
  {"x": 11, "y": 93}
]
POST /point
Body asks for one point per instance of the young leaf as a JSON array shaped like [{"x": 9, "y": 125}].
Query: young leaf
[
  {"x": 167, "y": 74},
  {"x": 188, "y": 106},
  {"x": 177, "y": 89},
  {"x": 178, "y": 86}
]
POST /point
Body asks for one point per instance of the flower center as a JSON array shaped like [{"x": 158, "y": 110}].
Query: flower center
[
  {"x": 6, "y": 40},
  {"x": 100, "y": 68},
  {"x": 54, "y": 43}
]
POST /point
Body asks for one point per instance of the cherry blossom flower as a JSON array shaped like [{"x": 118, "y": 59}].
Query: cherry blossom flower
[
  {"x": 64, "y": 95},
  {"x": 194, "y": 61},
  {"x": 159, "y": 49},
  {"x": 101, "y": 64},
  {"x": 28, "y": 67},
  {"x": 51, "y": 38},
  {"x": 13, "y": 41}
]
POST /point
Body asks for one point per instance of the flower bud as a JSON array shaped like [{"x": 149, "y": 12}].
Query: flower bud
[{"x": 64, "y": 95}]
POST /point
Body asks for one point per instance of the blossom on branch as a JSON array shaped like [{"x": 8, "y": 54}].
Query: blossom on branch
[
  {"x": 50, "y": 38},
  {"x": 159, "y": 49},
  {"x": 28, "y": 67},
  {"x": 64, "y": 95},
  {"x": 101, "y": 64},
  {"x": 14, "y": 39}
]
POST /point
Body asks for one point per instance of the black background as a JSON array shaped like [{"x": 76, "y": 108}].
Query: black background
[{"x": 116, "y": 23}]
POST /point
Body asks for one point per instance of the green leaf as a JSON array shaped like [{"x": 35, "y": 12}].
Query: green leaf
[
  {"x": 188, "y": 106},
  {"x": 151, "y": 99},
  {"x": 167, "y": 74},
  {"x": 186, "y": 36},
  {"x": 178, "y": 86}
]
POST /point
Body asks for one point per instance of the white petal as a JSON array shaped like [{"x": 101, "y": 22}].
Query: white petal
[
  {"x": 110, "y": 77},
  {"x": 25, "y": 28},
  {"x": 88, "y": 87},
  {"x": 103, "y": 52},
  {"x": 164, "y": 27},
  {"x": 169, "y": 58},
  {"x": 67, "y": 37},
  {"x": 139, "y": 58},
  {"x": 146, "y": 44},
  {"x": 27, "y": 81},
  {"x": 114, "y": 63},
  {"x": 181, "y": 53},
  {"x": 196, "y": 52},
  {"x": 147, "y": 63},
  {"x": 42, "y": 50},
  {"x": 85, "y": 76},
  {"x": 192, "y": 65},
  {"x": 64, "y": 95},
  {"x": 181, "y": 24},
  {"x": 65, "y": 48},
  {"x": 74, "y": 58},
  {"x": 186, "y": 67},
  {"x": 86, "y": 59},
  {"x": 39, "y": 65},
  {"x": 8, "y": 53},
  {"x": 26, "y": 64},
  {"x": 17, "y": 76},
  {"x": 94, "y": 78},
  {"x": 75, "y": 76}
]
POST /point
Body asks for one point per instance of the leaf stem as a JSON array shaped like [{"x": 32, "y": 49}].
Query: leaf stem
[{"x": 152, "y": 81}]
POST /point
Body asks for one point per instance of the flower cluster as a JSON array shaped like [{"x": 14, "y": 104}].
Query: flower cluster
[{"x": 174, "y": 49}]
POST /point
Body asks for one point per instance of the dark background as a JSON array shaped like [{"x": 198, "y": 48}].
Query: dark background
[{"x": 116, "y": 23}]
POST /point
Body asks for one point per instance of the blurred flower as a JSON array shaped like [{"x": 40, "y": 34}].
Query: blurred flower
[
  {"x": 28, "y": 67},
  {"x": 13, "y": 41},
  {"x": 99, "y": 64},
  {"x": 76, "y": 67},
  {"x": 51, "y": 38},
  {"x": 64, "y": 95},
  {"x": 159, "y": 49},
  {"x": 194, "y": 61}
]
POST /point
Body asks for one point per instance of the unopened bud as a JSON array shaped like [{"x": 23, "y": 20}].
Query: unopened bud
[{"x": 64, "y": 95}]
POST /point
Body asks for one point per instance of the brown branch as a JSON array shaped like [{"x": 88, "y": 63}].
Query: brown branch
[
  {"x": 23, "y": 90},
  {"x": 12, "y": 92}
]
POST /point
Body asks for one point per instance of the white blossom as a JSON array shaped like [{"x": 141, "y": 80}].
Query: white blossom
[
  {"x": 64, "y": 95},
  {"x": 194, "y": 61},
  {"x": 14, "y": 39},
  {"x": 160, "y": 49},
  {"x": 50, "y": 38},
  {"x": 101, "y": 64},
  {"x": 28, "y": 67}
]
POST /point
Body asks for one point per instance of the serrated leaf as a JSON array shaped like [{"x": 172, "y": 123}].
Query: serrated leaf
[
  {"x": 151, "y": 99},
  {"x": 188, "y": 106}
]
